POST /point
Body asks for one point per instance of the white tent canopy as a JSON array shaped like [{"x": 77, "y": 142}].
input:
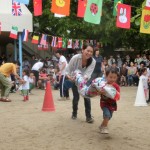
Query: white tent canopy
[{"x": 8, "y": 20}]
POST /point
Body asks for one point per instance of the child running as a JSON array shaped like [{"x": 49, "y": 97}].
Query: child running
[
  {"x": 25, "y": 85},
  {"x": 108, "y": 105}
]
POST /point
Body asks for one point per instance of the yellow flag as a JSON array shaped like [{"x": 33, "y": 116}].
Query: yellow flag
[{"x": 145, "y": 21}]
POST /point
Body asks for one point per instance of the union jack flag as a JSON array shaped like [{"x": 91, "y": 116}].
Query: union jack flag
[{"x": 16, "y": 8}]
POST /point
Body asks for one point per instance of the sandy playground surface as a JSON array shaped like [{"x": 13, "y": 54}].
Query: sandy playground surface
[{"x": 23, "y": 126}]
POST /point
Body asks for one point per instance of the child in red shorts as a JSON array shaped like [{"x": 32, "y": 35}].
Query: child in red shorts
[{"x": 108, "y": 105}]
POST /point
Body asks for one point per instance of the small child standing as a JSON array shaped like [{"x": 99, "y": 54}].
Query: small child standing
[
  {"x": 25, "y": 85},
  {"x": 31, "y": 82},
  {"x": 108, "y": 105}
]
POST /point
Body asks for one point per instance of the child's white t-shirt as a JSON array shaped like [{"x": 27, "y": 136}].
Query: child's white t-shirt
[
  {"x": 25, "y": 86},
  {"x": 145, "y": 81},
  {"x": 31, "y": 80}
]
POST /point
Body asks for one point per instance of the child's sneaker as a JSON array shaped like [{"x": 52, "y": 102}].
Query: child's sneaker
[
  {"x": 104, "y": 130},
  {"x": 27, "y": 97}
]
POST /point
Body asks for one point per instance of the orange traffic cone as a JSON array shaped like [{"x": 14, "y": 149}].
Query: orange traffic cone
[{"x": 48, "y": 104}]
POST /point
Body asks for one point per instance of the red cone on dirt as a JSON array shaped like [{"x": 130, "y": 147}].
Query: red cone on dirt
[{"x": 48, "y": 104}]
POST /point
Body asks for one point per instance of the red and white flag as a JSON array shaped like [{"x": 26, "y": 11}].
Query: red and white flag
[
  {"x": 14, "y": 32},
  {"x": 54, "y": 41},
  {"x": 45, "y": 47},
  {"x": 43, "y": 39},
  {"x": 69, "y": 43},
  {"x": 123, "y": 16},
  {"x": 40, "y": 47},
  {"x": 0, "y": 27},
  {"x": 25, "y": 35},
  {"x": 59, "y": 42}
]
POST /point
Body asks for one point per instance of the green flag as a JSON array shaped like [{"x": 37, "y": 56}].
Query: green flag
[
  {"x": 81, "y": 44},
  {"x": 64, "y": 42},
  {"x": 93, "y": 11},
  {"x": 115, "y": 6}
]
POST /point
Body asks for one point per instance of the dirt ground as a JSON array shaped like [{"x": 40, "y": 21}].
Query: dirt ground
[{"x": 23, "y": 126}]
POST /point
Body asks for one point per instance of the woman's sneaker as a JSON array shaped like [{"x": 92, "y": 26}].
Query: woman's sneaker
[{"x": 89, "y": 120}]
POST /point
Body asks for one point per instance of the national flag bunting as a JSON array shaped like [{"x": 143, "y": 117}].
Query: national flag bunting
[
  {"x": 123, "y": 16},
  {"x": 0, "y": 27},
  {"x": 16, "y": 8},
  {"x": 81, "y": 44},
  {"x": 35, "y": 39},
  {"x": 61, "y": 7},
  {"x": 43, "y": 39},
  {"x": 23, "y": 1},
  {"x": 81, "y": 8},
  {"x": 14, "y": 32},
  {"x": 64, "y": 42},
  {"x": 76, "y": 44},
  {"x": 59, "y": 45},
  {"x": 40, "y": 47},
  {"x": 54, "y": 41},
  {"x": 69, "y": 43},
  {"x": 116, "y": 2},
  {"x": 145, "y": 22},
  {"x": 37, "y": 7},
  {"x": 25, "y": 35},
  {"x": 93, "y": 11},
  {"x": 91, "y": 42},
  {"x": 45, "y": 47}
]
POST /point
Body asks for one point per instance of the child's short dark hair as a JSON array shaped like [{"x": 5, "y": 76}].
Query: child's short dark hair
[
  {"x": 111, "y": 70},
  {"x": 59, "y": 51},
  {"x": 26, "y": 72},
  {"x": 142, "y": 70}
]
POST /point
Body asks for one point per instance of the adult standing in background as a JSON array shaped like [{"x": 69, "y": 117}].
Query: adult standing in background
[
  {"x": 33, "y": 61},
  {"x": 36, "y": 68},
  {"x": 5, "y": 71},
  {"x": 99, "y": 66},
  {"x": 62, "y": 64},
  {"x": 111, "y": 60},
  {"x": 86, "y": 64}
]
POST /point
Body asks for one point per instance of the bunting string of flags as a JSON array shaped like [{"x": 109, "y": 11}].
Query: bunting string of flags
[{"x": 90, "y": 10}]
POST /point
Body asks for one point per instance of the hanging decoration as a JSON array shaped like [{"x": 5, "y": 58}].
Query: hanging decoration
[
  {"x": 81, "y": 8},
  {"x": 37, "y": 7},
  {"x": 59, "y": 42},
  {"x": 64, "y": 43},
  {"x": 43, "y": 39},
  {"x": 16, "y": 8},
  {"x": 145, "y": 22},
  {"x": 25, "y": 34},
  {"x": 116, "y": 2},
  {"x": 61, "y": 7},
  {"x": 123, "y": 16},
  {"x": 14, "y": 32},
  {"x": 54, "y": 41},
  {"x": 35, "y": 39},
  {"x": 69, "y": 45},
  {"x": 93, "y": 11}
]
